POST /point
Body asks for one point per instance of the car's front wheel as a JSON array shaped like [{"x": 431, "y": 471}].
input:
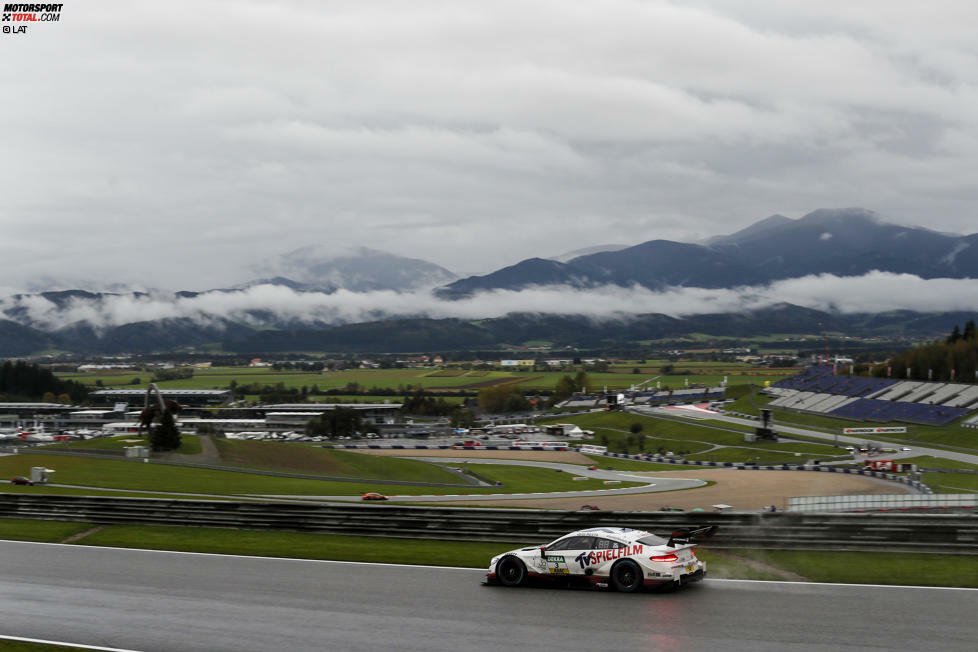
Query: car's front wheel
[
  {"x": 627, "y": 577},
  {"x": 510, "y": 571}
]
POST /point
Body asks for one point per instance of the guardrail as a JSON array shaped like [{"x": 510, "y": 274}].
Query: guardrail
[
  {"x": 880, "y": 502},
  {"x": 944, "y": 533}
]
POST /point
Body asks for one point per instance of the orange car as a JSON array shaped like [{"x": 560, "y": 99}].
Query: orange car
[{"x": 373, "y": 495}]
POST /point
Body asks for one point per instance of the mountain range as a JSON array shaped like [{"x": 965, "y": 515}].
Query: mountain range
[{"x": 841, "y": 242}]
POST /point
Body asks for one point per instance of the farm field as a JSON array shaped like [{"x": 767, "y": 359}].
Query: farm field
[{"x": 619, "y": 377}]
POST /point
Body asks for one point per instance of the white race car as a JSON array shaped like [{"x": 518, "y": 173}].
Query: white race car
[{"x": 622, "y": 558}]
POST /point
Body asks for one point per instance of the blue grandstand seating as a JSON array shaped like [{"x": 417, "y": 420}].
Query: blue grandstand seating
[{"x": 820, "y": 379}]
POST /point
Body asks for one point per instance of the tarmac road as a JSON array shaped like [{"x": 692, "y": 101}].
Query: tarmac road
[{"x": 156, "y": 601}]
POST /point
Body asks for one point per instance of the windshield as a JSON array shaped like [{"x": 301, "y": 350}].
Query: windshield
[{"x": 652, "y": 540}]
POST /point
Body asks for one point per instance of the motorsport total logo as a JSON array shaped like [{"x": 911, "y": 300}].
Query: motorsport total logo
[{"x": 17, "y": 17}]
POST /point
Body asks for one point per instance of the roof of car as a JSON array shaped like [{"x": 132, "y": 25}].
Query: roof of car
[{"x": 620, "y": 534}]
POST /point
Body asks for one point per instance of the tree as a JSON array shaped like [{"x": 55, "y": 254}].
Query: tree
[
  {"x": 955, "y": 335},
  {"x": 338, "y": 422},
  {"x": 635, "y": 428},
  {"x": 48, "y": 397},
  {"x": 462, "y": 418},
  {"x": 166, "y": 436},
  {"x": 564, "y": 388},
  {"x": 581, "y": 381},
  {"x": 502, "y": 398}
]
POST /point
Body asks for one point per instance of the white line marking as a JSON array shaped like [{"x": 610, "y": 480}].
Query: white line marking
[{"x": 78, "y": 645}]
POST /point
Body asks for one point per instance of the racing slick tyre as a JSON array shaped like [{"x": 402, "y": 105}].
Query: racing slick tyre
[
  {"x": 627, "y": 577},
  {"x": 510, "y": 571}
]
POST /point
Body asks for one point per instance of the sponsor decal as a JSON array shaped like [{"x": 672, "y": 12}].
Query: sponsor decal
[
  {"x": 586, "y": 559},
  {"x": 557, "y": 565},
  {"x": 884, "y": 430}
]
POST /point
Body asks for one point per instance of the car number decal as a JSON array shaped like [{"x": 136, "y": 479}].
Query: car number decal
[{"x": 557, "y": 565}]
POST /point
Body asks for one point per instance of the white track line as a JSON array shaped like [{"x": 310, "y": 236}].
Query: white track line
[{"x": 4, "y": 637}]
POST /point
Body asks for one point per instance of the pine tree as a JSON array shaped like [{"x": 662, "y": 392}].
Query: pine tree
[
  {"x": 166, "y": 436},
  {"x": 969, "y": 330},
  {"x": 955, "y": 335}
]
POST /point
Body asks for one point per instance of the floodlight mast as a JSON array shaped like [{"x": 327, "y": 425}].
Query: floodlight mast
[{"x": 825, "y": 338}]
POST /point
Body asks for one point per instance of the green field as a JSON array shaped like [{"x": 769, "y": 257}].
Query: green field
[
  {"x": 315, "y": 460},
  {"x": 698, "y": 440},
  {"x": 189, "y": 444},
  {"x": 135, "y": 476}
]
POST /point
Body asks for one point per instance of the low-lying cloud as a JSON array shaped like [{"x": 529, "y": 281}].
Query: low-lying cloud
[{"x": 268, "y": 304}]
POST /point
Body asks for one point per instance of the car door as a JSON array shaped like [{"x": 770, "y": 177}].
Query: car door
[
  {"x": 569, "y": 555},
  {"x": 604, "y": 553}
]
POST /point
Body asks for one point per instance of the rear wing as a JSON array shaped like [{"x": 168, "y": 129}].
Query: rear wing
[{"x": 686, "y": 535}]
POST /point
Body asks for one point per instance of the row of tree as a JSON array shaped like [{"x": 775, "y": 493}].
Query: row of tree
[
  {"x": 29, "y": 382},
  {"x": 953, "y": 358}
]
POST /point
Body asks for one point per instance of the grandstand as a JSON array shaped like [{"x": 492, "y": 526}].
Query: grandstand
[
  {"x": 686, "y": 394},
  {"x": 817, "y": 390},
  {"x": 658, "y": 397}
]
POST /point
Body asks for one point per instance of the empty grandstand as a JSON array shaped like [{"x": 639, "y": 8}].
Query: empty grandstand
[
  {"x": 818, "y": 391},
  {"x": 657, "y": 397}
]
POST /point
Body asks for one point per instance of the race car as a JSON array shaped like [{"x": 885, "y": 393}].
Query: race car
[
  {"x": 620, "y": 558},
  {"x": 373, "y": 495}
]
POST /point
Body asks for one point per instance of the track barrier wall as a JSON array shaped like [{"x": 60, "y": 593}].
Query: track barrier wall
[{"x": 947, "y": 532}]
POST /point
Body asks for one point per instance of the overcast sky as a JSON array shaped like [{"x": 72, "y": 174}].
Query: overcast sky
[{"x": 171, "y": 144}]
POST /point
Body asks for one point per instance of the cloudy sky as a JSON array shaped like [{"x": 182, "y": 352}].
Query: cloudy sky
[{"x": 172, "y": 144}]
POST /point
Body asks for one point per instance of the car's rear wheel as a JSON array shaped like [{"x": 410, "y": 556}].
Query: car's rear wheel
[
  {"x": 510, "y": 571},
  {"x": 626, "y": 576}
]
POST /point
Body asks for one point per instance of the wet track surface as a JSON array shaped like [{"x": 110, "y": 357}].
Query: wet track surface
[{"x": 147, "y": 600}]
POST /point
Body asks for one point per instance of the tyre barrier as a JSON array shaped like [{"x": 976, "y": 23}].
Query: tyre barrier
[
  {"x": 753, "y": 466},
  {"x": 778, "y": 530}
]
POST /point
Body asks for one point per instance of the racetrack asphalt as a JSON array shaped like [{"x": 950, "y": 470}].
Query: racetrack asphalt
[{"x": 157, "y": 602}]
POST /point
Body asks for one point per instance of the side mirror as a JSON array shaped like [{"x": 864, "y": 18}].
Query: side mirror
[{"x": 543, "y": 551}]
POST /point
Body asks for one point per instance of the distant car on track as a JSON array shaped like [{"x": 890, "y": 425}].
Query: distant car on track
[
  {"x": 19, "y": 479},
  {"x": 373, "y": 495},
  {"x": 592, "y": 468},
  {"x": 590, "y": 508},
  {"x": 620, "y": 558}
]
